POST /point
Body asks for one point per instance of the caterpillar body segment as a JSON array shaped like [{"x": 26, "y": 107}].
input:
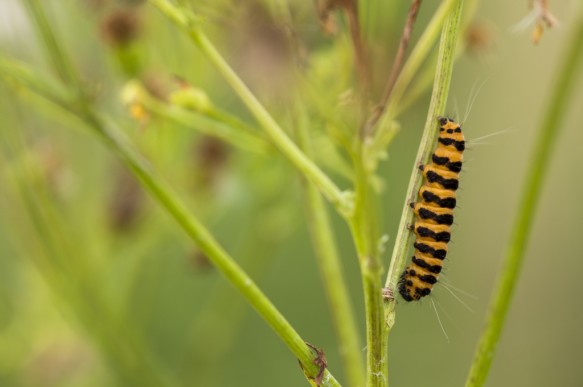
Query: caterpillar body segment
[
  {"x": 439, "y": 233},
  {"x": 434, "y": 212},
  {"x": 437, "y": 176},
  {"x": 441, "y": 197},
  {"x": 430, "y": 213}
]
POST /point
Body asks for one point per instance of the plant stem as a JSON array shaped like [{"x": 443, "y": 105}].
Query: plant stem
[
  {"x": 328, "y": 261},
  {"x": 548, "y": 133},
  {"x": 212, "y": 126},
  {"x": 364, "y": 233},
  {"x": 363, "y": 69},
  {"x": 340, "y": 200},
  {"x": 210, "y": 247},
  {"x": 60, "y": 64},
  {"x": 49, "y": 88}
]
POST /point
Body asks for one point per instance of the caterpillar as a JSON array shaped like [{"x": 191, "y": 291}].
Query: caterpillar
[{"x": 434, "y": 212}]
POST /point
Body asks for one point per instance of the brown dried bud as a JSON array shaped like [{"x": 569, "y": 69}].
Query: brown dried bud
[
  {"x": 121, "y": 27},
  {"x": 211, "y": 155},
  {"x": 126, "y": 201}
]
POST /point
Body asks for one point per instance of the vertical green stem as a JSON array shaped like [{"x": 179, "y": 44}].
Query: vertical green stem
[
  {"x": 331, "y": 270},
  {"x": 548, "y": 133},
  {"x": 362, "y": 226}
]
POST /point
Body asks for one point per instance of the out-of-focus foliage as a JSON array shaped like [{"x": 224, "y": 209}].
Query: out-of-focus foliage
[{"x": 98, "y": 287}]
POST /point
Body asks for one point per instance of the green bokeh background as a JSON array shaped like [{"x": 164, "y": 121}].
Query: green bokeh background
[{"x": 201, "y": 331}]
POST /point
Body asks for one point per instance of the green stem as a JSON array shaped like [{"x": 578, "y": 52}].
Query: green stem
[
  {"x": 53, "y": 49},
  {"x": 341, "y": 201},
  {"x": 328, "y": 261},
  {"x": 441, "y": 85},
  {"x": 243, "y": 139},
  {"x": 362, "y": 226},
  {"x": 210, "y": 247},
  {"x": 234, "y": 122},
  {"x": 47, "y": 87},
  {"x": 548, "y": 133}
]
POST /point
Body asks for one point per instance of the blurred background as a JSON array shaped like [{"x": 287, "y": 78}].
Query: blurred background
[{"x": 109, "y": 291}]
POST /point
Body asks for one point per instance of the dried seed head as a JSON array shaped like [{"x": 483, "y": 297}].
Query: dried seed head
[
  {"x": 210, "y": 157},
  {"x": 126, "y": 201},
  {"x": 121, "y": 27}
]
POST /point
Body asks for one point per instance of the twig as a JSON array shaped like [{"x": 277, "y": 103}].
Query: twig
[
  {"x": 548, "y": 133},
  {"x": 397, "y": 65},
  {"x": 212, "y": 123},
  {"x": 54, "y": 51},
  {"x": 360, "y": 49}
]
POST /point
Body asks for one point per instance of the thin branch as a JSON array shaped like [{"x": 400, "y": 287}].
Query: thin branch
[
  {"x": 360, "y": 49},
  {"x": 559, "y": 103},
  {"x": 212, "y": 122},
  {"x": 397, "y": 65},
  {"x": 60, "y": 64}
]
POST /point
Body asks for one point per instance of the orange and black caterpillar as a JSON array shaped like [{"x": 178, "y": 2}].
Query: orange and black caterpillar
[{"x": 434, "y": 212}]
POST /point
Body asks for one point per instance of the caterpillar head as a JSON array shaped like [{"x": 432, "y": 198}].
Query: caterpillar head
[{"x": 443, "y": 120}]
